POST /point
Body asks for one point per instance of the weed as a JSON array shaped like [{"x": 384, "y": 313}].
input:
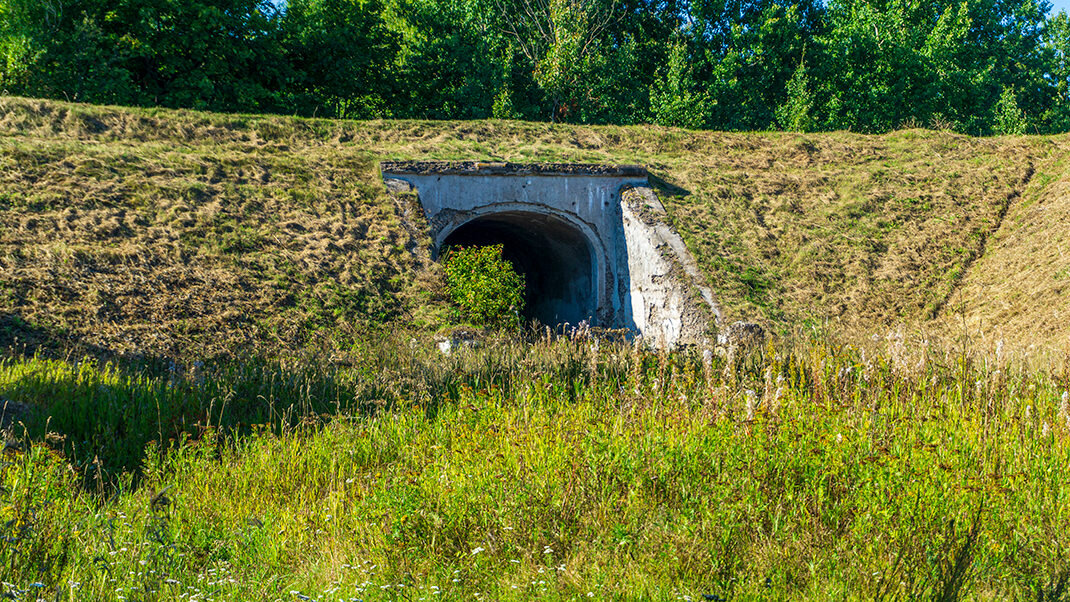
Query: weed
[{"x": 570, "y": 465}]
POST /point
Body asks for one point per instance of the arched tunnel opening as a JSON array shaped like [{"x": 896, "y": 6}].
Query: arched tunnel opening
[{"x": 555, "y": 257}]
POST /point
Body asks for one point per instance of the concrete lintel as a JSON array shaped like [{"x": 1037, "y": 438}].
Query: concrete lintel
[{"x": 489, "y": 168}]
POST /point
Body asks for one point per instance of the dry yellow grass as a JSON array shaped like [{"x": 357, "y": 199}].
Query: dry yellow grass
[
  {"x": 1019, "y": 290},
  {"x": 177, "y": 233}
]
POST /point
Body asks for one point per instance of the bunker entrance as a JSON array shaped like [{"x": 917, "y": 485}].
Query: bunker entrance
[{"x": 554, "y": 256}]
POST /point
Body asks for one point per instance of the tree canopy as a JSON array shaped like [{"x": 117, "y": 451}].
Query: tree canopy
[{"x": 976, "y": 66}]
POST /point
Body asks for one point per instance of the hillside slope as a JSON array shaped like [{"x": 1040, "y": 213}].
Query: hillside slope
[
  {"x": 1018, "y": 291},
  {"x": 172, "y": 233}
]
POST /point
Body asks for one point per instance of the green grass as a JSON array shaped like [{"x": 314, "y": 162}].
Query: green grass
[
  {"x": 559, "y": 470},
  {"x": 257, "y": 437}
]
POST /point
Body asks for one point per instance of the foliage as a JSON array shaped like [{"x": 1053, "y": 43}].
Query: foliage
[
  {"x": 329, "y": 79},
  {"x": 485, "y": 285},
  {"x": 811, "y": 470},
  {"x": 1057, "y": 43},
  {"x": 722, "y": 64},
  {"x": 675, "y": 99},
  {"x": 1009, "y": 118},
  {"x": 796, "y": 114}
]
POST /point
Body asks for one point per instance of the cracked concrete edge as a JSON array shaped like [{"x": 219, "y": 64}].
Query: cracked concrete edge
[
  {"x": 507, "y": 169},
  {"x": 645, "y": 203}
]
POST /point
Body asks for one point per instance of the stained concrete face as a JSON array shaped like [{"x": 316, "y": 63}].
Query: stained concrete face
[{"x": 591, "y": 240}]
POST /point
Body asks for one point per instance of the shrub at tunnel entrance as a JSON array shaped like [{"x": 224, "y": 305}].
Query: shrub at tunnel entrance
[{"x": 485, "y": 285}]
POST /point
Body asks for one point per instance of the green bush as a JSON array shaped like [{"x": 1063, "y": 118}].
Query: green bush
[{"x": 485, "y": 285}]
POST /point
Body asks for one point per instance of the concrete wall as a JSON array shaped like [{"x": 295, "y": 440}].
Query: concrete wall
[{"x": 640, "y": 274}]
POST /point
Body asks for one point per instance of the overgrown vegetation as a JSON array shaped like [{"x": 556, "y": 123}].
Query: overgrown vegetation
[
  {"x": 562, "y": 469},
  {"x": 484, "y": 285}
]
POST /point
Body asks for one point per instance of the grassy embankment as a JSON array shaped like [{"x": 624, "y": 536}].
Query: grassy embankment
[
  {"x": 180, "y": 234},
  {"x": 312, "y": 456}
]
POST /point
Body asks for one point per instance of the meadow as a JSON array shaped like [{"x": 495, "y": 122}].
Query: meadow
[
  {"x": 220, "y": 381},
  {"x": 556, "y": 467}
]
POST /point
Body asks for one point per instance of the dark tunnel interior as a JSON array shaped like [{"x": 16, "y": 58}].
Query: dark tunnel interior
[{"x": 554, "y": 256}]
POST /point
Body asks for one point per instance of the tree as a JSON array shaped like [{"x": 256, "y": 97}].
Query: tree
[
  {"x": 675, "y": 99},
  {"x": 1056, "y": 116},
  {"x": 747, "y": 50},
  {"x": 898, "y": 61},
  {"x": 796, "y": 114},
  {"x": 202, "y": 54},
  {"x": 561, "y": 39},
  {"x": 340, "y": 53},
  {"x": 58, "y": 49},
  {"x": 1009, "y": 118},
  {"x": 449, "y": 63}
]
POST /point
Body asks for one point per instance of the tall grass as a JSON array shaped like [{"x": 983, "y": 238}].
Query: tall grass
[{"x": 569, "y": 468}]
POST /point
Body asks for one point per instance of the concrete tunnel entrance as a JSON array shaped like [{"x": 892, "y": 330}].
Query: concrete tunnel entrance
[
  {"x": 593, "y": 241},
  {"x": 557, "y": 261}
]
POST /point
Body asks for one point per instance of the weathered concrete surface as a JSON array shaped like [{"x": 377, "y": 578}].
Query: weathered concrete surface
[
  {"x": 668, "y": 301},
  {"x": 592, "y": 240}
]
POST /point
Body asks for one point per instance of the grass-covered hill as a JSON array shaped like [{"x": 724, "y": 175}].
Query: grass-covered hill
[
  {"x": 165, "y": 233},
  {"x": 329, "y": 454}
]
